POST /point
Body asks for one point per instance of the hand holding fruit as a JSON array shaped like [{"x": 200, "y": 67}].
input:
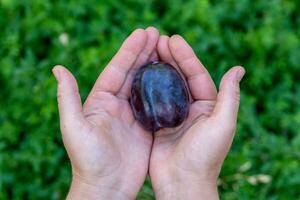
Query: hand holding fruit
[
  {"x": 109, "y": 151},
  {"x": 186, "y": 160}
]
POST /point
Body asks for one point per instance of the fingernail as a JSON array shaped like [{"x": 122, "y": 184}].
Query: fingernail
[
  {"x": 240, "y": 74},
  {"x": 56, "y": 73}
]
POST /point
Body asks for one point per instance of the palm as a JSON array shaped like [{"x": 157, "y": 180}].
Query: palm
[
  {"x": 173, "y": 151},
  {"x": 107, "y": 132}
]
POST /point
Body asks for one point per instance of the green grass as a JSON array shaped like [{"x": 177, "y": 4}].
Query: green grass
[{"x": 263, "y": 36}]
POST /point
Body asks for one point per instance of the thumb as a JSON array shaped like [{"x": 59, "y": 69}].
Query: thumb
[
  {"x": 228, "y": 99},
  {"x": 69, "y": 102}
]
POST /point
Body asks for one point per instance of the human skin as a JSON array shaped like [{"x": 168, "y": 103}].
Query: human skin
[
  {"x": 111, "y": 153},
  {"x": 108, "y": 149},
  {"x": 186, "y": 161}
]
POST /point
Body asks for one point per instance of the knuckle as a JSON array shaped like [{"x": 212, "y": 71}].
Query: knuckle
[{"x": 237, "y": 95}]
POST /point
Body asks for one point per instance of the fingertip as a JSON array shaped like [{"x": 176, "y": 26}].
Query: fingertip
[
  {"x": 164, "y": 37},
  {"x": 56, "y": 71},
  {"x": 153, "y": 32},
  {"x": 176, "y": 37},
  {"x": 152, "y": 29},
  {"x": 238, "y": 67},
  {"x": 138, "y": 37},
  {"x": 63, "y": 75},
  {"x": 240, "y": 73},
  {"x": 57, "y": 67},
  {"x": 164, "y": 50},
  {"x": 236, "y": 73},
  {"x": 152, "y": 37},
  {"x": 177, "y": 40},
  {"x": 180, "y": 48},
  {"x": 163, "y": 40},
  {"x": 139, "y": 31},
  {"x": 173, "y": 40}
]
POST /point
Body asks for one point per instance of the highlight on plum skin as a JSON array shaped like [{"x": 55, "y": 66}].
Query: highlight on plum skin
[{"x": 159, "y": 97}]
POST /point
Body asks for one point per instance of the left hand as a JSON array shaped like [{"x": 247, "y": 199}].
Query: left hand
[{"x": 186, "y": 161}]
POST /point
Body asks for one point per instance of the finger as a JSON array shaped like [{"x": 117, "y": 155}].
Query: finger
[
  {"x": 69, "y": 102},
  {"x": 200, "y": 83},
  {"x": 164, "y": 51},
  {"x": 166, "y": 56},
  {"x": 229, "y": 96},
  {"x": 152, "y": 39},
  {"x": 114, "y": 74},
  {"x": 143, "y": 58}
]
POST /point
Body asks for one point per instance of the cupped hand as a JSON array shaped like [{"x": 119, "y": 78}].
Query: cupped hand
[
  {"x": 186, "y": 161},
  {"x": 108, "y": 149}
]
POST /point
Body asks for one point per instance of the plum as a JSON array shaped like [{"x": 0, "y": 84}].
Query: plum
[{"x": 159, "y": 97}]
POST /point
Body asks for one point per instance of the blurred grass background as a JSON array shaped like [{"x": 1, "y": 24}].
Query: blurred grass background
[{"x": 263, "y": 36}]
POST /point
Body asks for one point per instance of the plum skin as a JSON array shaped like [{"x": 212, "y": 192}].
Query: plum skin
[{"x": 159, "y": 97}]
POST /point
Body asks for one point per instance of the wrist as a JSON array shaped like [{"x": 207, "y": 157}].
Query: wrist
[
  {"x": 195, "y": 189},
  {"x": 83, "y": 189}
]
